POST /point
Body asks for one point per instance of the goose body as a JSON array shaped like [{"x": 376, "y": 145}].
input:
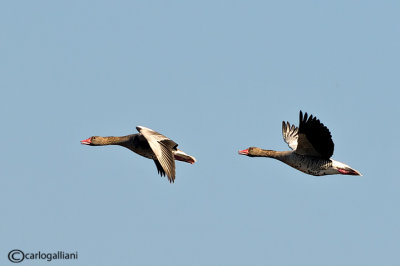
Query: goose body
[
  {"x": 312, "y": 147},
  {"x": 150, "y": 144}
]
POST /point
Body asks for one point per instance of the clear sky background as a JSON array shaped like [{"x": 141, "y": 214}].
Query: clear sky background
[{"x": 216, "y": 77}]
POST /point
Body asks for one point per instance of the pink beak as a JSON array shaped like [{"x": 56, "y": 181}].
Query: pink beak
[
  {"x": 86, "y": 141},
  {"x": 244, "y": 152}
]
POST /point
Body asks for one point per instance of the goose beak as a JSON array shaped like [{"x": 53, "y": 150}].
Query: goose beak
[
  {"x": 244, "y": 152},
  {"x": 86, "y": 141}
]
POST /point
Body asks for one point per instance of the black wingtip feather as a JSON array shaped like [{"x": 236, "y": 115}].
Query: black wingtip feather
[{"x": 317, "y": 134}]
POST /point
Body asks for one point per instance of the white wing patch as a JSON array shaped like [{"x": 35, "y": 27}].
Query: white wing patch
[
  {"x": 162, "y": 148},
  {"x": 290, "y": 134}
]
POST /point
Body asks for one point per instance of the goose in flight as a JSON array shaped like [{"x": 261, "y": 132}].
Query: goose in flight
[
  {"x": 312, "y": 148},
  {"x": 150, "y": 144}
]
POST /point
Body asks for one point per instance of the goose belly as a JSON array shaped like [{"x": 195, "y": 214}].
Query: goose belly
[
  {"x": 309, "y": 165},
  {"x": 142, "y": 147}
]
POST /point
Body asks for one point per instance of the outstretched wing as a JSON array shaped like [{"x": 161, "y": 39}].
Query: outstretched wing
[
  {"x": 160, "y": 170},
  {"x": 314, "y": 138},
  {"x": 290, "y": 134},
  {"x": 162, "y": 148}
]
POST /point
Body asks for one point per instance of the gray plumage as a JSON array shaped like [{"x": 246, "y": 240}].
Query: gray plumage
[
  {"x": 150, "y": 144},
  {"x": 311, "y": 145}
]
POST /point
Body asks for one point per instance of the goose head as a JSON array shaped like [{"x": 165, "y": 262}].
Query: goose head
[{"x": 94, "y": 141}]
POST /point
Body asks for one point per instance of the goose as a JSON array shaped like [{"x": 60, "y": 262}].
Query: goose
[
  {"x": 150, "y": 144},
  {"x": 312, "y": 148}
]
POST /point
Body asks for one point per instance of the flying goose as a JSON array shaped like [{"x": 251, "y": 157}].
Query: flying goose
[
  {"x": 312, "y": 147},
  {"x": 150, "y": 144}
]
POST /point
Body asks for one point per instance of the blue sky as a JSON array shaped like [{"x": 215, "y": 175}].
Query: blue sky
[{"x": 216, "y": 77}]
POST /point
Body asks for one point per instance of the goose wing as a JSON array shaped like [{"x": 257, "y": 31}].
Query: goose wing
[
  {"x": 314, "y": 139},
  {"x": 162, "y": 148},
  {"x": 290, "y": 134},
  {"x": 160, "y": 170}
]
